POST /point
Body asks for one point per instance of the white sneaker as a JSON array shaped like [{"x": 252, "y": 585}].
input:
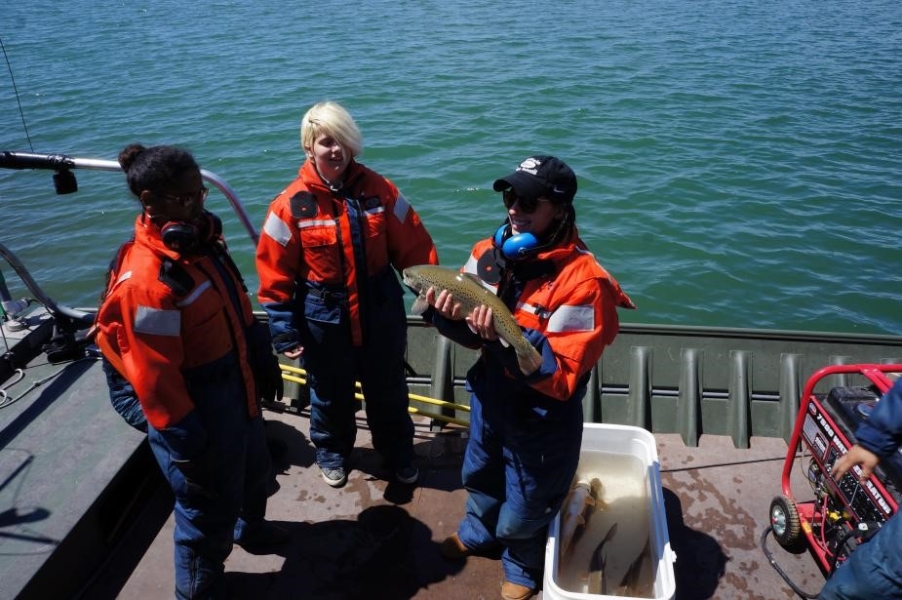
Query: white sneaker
[{"x": 335, "y": 477}]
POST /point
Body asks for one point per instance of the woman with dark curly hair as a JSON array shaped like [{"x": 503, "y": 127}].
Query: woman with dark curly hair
[{"x": 176, "y": 325}]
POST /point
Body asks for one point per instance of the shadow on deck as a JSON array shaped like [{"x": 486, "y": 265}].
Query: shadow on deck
[{"x": 375, "y": 539}]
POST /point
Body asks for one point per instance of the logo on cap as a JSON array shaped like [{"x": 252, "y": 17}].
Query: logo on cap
[{"x": 530, "y": 165}]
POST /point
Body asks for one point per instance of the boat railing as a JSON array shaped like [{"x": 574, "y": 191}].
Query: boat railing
[
  {"x": 67, "y": 322},
  {"x": 64, "y": 179}
]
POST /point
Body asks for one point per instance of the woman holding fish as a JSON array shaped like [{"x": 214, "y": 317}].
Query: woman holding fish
[{"x": 526, "y": 413}]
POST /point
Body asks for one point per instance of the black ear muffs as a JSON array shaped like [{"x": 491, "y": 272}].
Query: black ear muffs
[
  {"x": 515, "y": 247},
  {"x": 186, "y": 237}
]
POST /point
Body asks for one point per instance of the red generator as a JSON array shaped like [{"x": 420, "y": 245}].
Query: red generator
[{"x": 844, "y": 513}]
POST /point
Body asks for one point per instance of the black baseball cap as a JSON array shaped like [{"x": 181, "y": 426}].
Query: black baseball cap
[{"x": 541, "y": 177}]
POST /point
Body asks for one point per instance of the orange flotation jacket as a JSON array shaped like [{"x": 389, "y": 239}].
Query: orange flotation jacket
[
  {"x": 326, "y": 242},
  {"x": 165, "y": 317},
  {"x": 571, "y": 301}
]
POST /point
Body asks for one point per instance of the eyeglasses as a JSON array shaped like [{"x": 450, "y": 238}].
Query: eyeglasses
[
  {"x": 198, "y": 197},
  {"x": 528, "y": 204}
]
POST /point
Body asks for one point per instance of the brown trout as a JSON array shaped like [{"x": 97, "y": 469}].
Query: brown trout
[
  {"x": 467, "y": 290},
  {"x": 583, "y": 499}
]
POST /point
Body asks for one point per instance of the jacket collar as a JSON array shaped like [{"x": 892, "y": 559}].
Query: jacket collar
[
  {"x": 311, "y": 177},
  {"x": 149, "y": 234}
]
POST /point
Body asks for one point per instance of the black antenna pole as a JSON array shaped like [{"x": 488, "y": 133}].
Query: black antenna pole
[{"x": 16, "y": 90}]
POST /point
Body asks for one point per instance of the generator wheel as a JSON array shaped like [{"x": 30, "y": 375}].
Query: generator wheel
[{"x": 787, "y": 527}]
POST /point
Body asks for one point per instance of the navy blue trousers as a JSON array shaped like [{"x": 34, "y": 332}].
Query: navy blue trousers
[
  {"x": 874, "y": 570},
  {"x": 240, "y": 467},
  {"x": 518, "y": 471},
  {"x": 333, "y": 364}
]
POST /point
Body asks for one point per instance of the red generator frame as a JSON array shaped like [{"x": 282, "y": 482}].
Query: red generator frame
[{"x": 843, "y": 513}]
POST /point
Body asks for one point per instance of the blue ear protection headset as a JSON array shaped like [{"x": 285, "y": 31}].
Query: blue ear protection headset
[{"x": 515, "y": 247}]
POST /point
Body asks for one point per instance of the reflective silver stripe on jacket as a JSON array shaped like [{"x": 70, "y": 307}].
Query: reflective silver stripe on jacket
[
  {"x": 156, "y": 321},
  {"x": 572, "y": 318},
  {"x": 122, "y": 277},
  {"x": 193, "y": 296},
  {"x": 277, "y": 229},
  {"x": 401, "y": 208},
  {"x": 316, "y": 223}
]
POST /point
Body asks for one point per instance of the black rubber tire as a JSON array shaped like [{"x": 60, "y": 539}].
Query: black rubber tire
[{"x": 786, "y": 524}]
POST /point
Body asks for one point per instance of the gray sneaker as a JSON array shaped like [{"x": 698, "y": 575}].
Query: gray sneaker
[{"x": 335, "y": 477}]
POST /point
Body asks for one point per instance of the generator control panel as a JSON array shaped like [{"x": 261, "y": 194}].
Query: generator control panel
[{"x": 829, "y": 432}]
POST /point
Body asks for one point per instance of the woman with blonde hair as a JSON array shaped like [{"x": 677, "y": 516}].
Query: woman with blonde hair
[{"x": 327, "y": 258}]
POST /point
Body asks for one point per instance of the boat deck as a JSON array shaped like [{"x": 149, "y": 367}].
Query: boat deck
[
  {"x": 375, "y": 539},
  {"x": 70, "y": 469},
  {"x": 80, "y": 497}
]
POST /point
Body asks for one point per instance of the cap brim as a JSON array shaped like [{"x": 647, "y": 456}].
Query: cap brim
[{"x": 523, "y": 183}]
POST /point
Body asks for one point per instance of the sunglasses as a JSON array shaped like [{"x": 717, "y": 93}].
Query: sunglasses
[
  {"x": 188, "y": 199},
  {"x": 528, "y": 204}
]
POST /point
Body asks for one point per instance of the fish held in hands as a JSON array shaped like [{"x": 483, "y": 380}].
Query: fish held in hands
[{"x": 470, "y": 293}]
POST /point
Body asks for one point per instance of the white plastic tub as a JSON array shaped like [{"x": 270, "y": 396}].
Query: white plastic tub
[{"x": 625, "y": 460}]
